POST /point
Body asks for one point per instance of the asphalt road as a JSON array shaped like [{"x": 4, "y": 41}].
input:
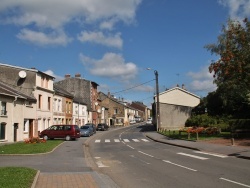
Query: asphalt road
[{"x": 132, "y": 160}]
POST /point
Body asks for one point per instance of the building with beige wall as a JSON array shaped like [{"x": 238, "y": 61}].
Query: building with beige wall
[
  {"x": 176, "y": 105},
  {"x": 17, "y": 114}
]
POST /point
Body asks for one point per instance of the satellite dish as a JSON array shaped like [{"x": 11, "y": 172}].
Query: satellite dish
[{"x": 22, "y": 74}]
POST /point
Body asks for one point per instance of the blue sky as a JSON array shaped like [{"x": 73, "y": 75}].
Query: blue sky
[{"x": 113, "y": 42}]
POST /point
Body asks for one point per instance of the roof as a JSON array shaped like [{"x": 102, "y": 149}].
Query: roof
[
  {"x": 62, "y": 92},
  {"x": 10, "y": 91},
  {"x": 31, "y": 69}
]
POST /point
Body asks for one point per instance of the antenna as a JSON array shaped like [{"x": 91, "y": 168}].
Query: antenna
[{"x": 22, "y": 74}]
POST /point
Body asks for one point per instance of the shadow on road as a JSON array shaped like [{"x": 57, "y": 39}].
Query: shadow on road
[{"x": 147, "y": 128}]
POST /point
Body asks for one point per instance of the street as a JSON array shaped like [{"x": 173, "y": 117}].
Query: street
[{"x": 132, "y": 160}]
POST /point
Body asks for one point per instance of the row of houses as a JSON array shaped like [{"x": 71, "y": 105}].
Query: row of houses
[{"x": 31, "y": 101}]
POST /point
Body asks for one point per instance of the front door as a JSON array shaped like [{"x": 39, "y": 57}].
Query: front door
[{"x": 31, "y": 129}]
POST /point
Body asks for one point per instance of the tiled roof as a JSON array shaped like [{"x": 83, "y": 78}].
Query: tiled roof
[{"x": 10, "y": 91}]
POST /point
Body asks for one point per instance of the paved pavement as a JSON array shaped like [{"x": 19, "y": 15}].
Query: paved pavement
[{"x": 66, "y": 167}]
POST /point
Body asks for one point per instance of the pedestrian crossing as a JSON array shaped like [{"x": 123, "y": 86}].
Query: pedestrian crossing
[{"x": 121, "y": 140}]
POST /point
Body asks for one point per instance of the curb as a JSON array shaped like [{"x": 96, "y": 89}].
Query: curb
[
  {"x": 193, "y": 148},
  {"x": 35, "y": 179},
  {"x": 164, "y": 142}
]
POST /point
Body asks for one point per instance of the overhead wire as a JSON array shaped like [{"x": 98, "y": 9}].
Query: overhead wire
[{"x": 133, "y": 87}]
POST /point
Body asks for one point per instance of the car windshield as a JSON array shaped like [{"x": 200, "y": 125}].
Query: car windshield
[{"x": 84, "y": 127}]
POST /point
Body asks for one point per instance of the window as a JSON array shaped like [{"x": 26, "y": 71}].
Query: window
[
  {"x": 69, "y": 107},
  {"x": 25, "y": 125},
  {"x": 54, "y": 104},
  {"x": 3, "y": 108},
  {"x": 115, "y": 111},
  {"x": 2, "y": 131},
  {"x": 46, "y": 83},
  {"x": 39, "y": 101},
  {"x": 49, "y": 99},
  {"x": 42, "y": 81}
]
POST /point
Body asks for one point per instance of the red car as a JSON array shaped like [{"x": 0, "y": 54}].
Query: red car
[{"x": 68, "y": 132}]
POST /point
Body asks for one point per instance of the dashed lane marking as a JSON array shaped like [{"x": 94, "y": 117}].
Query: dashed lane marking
[{"x": 193, "y": 156}]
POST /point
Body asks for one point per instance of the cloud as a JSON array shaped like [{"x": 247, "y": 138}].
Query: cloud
[
  {"x": 51, "y": 73},
  {"x": 56, "y": 15},
  {"x": 42, "y": 39},
  {"x": 112, "y": 66},
  {"x": 238, "y": 9},
  {"x": 100, "y": 38},
  {"x": 202, "y": 81}
]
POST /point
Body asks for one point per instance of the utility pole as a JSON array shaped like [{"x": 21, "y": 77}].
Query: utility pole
[{"x": 158, "y": 124}]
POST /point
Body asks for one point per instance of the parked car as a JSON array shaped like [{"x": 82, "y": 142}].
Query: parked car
[
  {"x": 149, "y": 121},
  {"x": 86, "y": 130},
  {"x": 67, "y": 132},
  {"x": 93, "y": 126},
  {"x": 102, "y": 127},
  {"x": 132, "y": 121}
]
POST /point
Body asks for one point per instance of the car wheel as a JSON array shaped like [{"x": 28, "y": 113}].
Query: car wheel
[
  {"x": 45, "y": 137},
  {"x": 67, "y": 138}
]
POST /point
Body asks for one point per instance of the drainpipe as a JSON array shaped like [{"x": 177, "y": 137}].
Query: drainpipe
[{"x": 12, "y": 121}]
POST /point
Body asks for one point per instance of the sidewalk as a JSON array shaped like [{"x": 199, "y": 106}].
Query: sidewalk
[{"x": 237, "y": 151}]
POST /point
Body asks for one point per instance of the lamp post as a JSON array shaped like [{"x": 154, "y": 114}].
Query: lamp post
[{"x": 158, "y": 119}]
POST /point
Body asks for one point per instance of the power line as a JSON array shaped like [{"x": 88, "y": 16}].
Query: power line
[{"x": 133, "y": 87}]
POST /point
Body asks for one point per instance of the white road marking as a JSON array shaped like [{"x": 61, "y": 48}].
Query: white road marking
[
  {"x": 235, "y": 182},
  {"x": 116, "y": 140},
  {"x": 97, "y": 141},
  {"x": 97, "y": 157},
  {"x": 145, "y": 154},
  {"x": 145, "y": 140},
  {"x": 135, "y": 140},
  {"x": 126, "y": 140},
  {"x": 130, "y": 147},
  {"x": 107, "y": 140},
  {"x": 100, "y": 165},
  {"x": 194, "y": 156},
  {"x": 179, "y": 165},
  {"x": 139, "y": 159},
  {"x": 212, "y": 154}
]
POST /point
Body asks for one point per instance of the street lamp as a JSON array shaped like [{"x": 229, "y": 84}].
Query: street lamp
[{"x": 158, "y": 119}]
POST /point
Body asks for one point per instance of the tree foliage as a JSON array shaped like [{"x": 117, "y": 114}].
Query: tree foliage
[{"x": 232, "y": 69}]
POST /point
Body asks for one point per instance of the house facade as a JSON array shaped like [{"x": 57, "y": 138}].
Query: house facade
[
  {"x": 80, "y": 113},
  {"x": 62, "y": 106},
  {"x": 33, "y": 84},
  {"x": 176, "y": 105},
  {"x": 84, "y": 91},
  {"x": 17, "y": 114},
  {"x": 116, "y": 109}
]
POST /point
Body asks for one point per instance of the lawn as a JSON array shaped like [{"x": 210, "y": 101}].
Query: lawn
[
  {"x": 29, "y": 148},
  {"x": 21, "y": 177},
  {"x": 16, "y": 177}
]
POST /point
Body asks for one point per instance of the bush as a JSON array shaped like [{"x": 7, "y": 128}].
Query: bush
[
  {"x": 208, "y": 121},
  {"x": 34, "y": 140},
  {"x": 239, "y": 124}
]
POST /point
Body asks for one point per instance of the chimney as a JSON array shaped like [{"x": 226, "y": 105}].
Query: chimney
[
  {"x": 67, "y": 76},
  {"x": 183, "y": 86},
  {"x": 78, "y": 75}
]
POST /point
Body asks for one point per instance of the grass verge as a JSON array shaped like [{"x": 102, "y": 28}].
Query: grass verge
[
  {"x": 24, "y": 148},
  {"x": 16, "y": 177},
  {"x": 193, "y": 136}
]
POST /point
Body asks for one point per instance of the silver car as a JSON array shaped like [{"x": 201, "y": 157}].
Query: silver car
[{"x": 86, "y": 130}]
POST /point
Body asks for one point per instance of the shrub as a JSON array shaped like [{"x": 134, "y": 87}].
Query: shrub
[
  {"x": 34, "y": 140},
  {"x": 239, "y": 124}
]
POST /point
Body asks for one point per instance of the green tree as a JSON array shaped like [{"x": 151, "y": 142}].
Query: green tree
[{"x": 232, "y": 69}]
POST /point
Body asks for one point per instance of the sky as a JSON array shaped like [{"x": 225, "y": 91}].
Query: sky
[{"x": 115, "y": 42}]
